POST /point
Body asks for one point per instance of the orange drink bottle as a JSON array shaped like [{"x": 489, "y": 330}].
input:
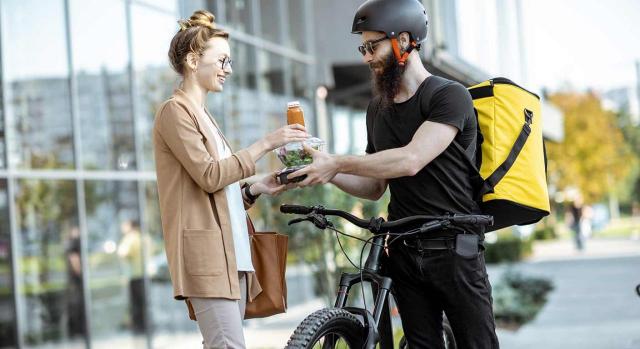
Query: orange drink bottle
[{"x": 295, "y": 114}]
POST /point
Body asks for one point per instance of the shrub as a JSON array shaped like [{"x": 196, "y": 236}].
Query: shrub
[
  {"x": 507, "y": 249},
  {"x": 546, "y": 233},
  {"x": 518, "y": 299}
]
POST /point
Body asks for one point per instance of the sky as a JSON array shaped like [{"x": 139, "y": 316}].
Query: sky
[{"x": 581, "y": 43}]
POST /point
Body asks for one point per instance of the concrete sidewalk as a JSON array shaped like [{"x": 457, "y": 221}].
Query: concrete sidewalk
[
  {"x": 557, "y": 250},
  {"x": 592, "y": 306}
]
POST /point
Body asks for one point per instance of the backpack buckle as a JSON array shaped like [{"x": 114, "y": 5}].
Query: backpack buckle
[{"x": 528, "y": 116}]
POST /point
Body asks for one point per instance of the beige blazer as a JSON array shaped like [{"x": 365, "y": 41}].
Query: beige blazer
[{"x": 193, "y": 205}]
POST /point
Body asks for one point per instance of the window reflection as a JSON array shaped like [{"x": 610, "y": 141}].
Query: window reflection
[
  {"x": 244, "y": 60},
  {"x": 100, "y": 61},
  {"x": 239, "y": 15},
  {"x": 299, "y": 79},
  {"x": 115, "y": 263},
  {"x": 7, "y": 307},
  {"x": 36, "y": 73},
  {"x": 272, "y": 78},
  {"x": 297, "y": 24},
  {"x": 168, "y": 317},
  {"x": 155, "y": 81},
  {"x": 270, "y": 18},
  {"x": 165, "y": 5},
  {"x": 49, "y": 257},
  {"x": 3, "y": 158}
]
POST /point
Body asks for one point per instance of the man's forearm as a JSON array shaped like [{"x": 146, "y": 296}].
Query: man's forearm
[
  {"x": 362, "y": 187},
  {"x": 392, "y": 163}
]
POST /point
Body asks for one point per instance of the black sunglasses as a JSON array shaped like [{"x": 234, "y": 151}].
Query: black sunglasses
[{"x": 369, "y": 46}]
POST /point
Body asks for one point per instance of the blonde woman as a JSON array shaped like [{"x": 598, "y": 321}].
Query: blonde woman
[{"x": 202, "y": 202}]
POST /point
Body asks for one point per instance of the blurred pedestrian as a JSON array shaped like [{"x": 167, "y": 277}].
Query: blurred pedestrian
[
  {"x": 575, "y": 211},
  {"x": 130, "y": 248},
  {"x": 74, "y": 297},
  {"x": 202, "y": 203}
]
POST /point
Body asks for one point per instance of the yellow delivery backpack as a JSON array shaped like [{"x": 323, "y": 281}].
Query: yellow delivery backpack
[{"x": 512, "y": 160}]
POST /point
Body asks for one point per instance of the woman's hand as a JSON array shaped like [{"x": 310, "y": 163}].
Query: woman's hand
[
  {"x": 284, "y": 135},
  {"x": 268, "y": 185}
]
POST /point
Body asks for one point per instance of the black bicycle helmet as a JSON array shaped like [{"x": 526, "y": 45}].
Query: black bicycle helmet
[{"x": 392, "y": 17}]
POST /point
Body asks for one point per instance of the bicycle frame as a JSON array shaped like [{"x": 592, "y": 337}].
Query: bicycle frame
[
  {"x": 378, "y": 331},
  {"x": 377, "y": 323}
]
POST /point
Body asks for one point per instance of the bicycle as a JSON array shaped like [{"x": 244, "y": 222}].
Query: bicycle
[{"x": 355, "y": 327}]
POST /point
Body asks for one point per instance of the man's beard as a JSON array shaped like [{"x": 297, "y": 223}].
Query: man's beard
[{"x": 387, "y": 83}]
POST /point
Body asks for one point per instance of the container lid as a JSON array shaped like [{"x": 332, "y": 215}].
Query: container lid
[{"x": 293, "y": 104}]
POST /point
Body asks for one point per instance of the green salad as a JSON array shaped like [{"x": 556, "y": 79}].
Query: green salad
[
  {"x": 294, "y": 158},
  {"x": 293, "y": 154}
]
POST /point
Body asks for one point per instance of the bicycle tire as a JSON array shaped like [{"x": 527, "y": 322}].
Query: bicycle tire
[
  {"x": 329, "y": 321},
  {"x": 447, "y": 333},
  {"x": 447, "y": 336}
]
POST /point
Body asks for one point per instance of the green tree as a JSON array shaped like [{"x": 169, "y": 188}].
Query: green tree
[
  {"x": 594, "y": 155},
  {"x": 310, "y": 245}
]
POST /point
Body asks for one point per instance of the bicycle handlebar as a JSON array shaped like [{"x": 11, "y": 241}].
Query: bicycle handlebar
[
  {"x": 379, "y": 224},
  {"x": 295, "y": 209}
]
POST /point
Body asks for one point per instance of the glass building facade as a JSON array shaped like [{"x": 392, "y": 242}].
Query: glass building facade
[{"x": 82, "y": 263}]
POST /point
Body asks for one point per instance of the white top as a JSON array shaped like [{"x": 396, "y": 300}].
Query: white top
[{"x": 236, "y": 209}]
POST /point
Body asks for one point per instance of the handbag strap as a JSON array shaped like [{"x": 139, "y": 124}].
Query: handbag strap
[{"x": 250, "y": 227}]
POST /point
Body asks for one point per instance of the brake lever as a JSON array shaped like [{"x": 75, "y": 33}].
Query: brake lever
[
  {"x": 320, "y": 221},
  {"x": 297, "y": 220}
]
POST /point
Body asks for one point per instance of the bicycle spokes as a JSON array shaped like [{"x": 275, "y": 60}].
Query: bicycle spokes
[{"x": 331, "y": 341}]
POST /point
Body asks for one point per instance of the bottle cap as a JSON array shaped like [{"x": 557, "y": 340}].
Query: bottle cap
[{"x": 293, "y": 104}]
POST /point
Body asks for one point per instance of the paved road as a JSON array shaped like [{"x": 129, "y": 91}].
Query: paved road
[{"x": 593, "y": 306}]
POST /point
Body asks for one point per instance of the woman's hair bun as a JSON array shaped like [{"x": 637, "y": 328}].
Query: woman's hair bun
[{"x": 200, "y": 18}]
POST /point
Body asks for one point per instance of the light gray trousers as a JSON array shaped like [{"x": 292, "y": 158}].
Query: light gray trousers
[{"x": 220, "y": 319}]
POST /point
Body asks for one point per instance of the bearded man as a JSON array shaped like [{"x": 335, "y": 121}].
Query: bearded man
[{"x": 421, "y": 143}]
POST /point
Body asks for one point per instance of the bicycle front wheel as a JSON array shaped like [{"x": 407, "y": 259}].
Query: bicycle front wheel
[{"x": 333, "y": 328}]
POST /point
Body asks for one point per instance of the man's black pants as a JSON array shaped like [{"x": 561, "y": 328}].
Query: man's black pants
[{"x": 428, "y": 282}]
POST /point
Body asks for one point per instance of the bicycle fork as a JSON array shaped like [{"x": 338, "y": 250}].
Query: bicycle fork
[{"x": 378, "y": 324}]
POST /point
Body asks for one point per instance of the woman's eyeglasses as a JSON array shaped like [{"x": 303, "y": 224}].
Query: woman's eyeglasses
[
  {"x": 225, "y": 63},
  {"x": 369, "y": 46}
]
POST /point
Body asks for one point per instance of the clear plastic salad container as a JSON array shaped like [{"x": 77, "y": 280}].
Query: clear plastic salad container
[{"x": 293, "y": 154}]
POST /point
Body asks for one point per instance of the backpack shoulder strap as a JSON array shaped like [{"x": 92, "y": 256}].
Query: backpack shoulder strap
[{"x": 491, "y": 181}]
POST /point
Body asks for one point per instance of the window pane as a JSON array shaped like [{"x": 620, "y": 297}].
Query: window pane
[
  {"x": 270, "y": 18},
  {"x": 155, "y": 81},
  {"x": 100, "y": 62},
  {"x": 36, "y": 73},
  {"x": 239, "y": 15},
  {"x": 272, "y": 78},
  {"x": 115, "y": 264},
  {"x": 299, "y": 79},
  {"x": 244, "y": 63},
  {"x": 165, "y": 5},
  {"x": 297, "y": 24},
  {"x": 169, "y": 318},
  {"x": 7, "y": 306},
  {"x": 244, "y": 124},
  {"x": 49, "y": 260},
  {"x": 3, "y": 155}
]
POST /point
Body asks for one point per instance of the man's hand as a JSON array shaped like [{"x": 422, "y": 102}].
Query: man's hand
[{"x": 321, "y": 171}]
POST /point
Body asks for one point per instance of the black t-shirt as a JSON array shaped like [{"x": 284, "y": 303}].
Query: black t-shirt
[{"x": 445, "y": 184}]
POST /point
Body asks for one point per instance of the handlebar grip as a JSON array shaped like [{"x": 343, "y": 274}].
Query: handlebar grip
[
  {"x": 295, "y": 209},
  {"x": 474, "y": 220}
]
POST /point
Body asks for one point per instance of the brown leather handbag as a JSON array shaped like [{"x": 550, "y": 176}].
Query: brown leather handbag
[{"x": 269, "y": 256}]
